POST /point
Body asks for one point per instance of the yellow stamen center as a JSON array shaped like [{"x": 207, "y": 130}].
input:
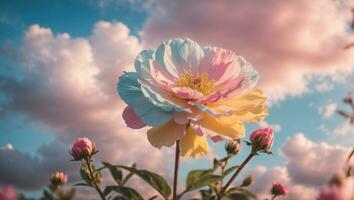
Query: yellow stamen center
[{"x": 199, "y": 82}]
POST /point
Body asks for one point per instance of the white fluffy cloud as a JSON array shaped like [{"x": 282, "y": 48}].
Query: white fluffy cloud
[
  {"x": 328, "y": 110},
  {"x": 287, "y": 49},
  {"x": 311, "y": 163},
  {"x": 69, "y": 85}
]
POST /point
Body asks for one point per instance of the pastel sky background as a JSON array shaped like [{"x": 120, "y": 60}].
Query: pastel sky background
[{"x": 60, "y": 60}]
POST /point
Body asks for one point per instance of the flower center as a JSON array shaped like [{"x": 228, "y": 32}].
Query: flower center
[{"x": 197, "y": 81}]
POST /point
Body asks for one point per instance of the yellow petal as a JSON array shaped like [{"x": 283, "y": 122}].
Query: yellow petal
[
  {"x": 247, "y": 107},
  {"x": 193, "y": 145},
  {"x": 166, "y": 134},
  {"x": 226, "y": 126}
]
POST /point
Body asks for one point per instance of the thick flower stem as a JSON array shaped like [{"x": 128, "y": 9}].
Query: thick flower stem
[
  {"x": 175, "y": 179},
  {"x": 92, "y": 177},
  {"x": 239, "y": 169},
  {"x": 273, "y": 197}
]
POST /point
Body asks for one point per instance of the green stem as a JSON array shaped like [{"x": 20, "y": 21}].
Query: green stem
[
  {"x": 237, "y": 172},
  {"x": 175, "y": 179},
  {"x": 92, "y": 177}
]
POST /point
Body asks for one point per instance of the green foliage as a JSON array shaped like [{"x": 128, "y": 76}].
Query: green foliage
[
  {"x": 199, "y": 178},
  {"x": 153, "y": 179},
  {"x": 116, "y": 173},
  {"x": 238, "y": 193},
  {"x": 125, "y": 193},
  {"x": 85, "y": 175}
]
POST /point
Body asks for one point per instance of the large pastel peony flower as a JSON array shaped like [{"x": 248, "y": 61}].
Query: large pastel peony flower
[{"x": 185, "y": 92}]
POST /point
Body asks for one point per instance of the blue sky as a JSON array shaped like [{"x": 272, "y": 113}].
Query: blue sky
[{"x": 294, "y": 113}]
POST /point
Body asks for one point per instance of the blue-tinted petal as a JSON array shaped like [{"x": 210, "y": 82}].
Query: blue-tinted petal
[
  {"x": 142, "y": 62},
  {"x": 163, "y": 102},
  {"x": 179, "y": 55},
  {"x": 130, "y": 92},
  {"x": 248, "y": 71}
]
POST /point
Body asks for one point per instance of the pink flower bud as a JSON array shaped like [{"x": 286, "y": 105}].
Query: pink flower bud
[
  {"x": 279, "y": 189},
  {"x": 83, "y": 148},
  {"x": 7, "y": 193},
  {"x": 58, "y": 178},
  {"x": 262, "y": 139}
]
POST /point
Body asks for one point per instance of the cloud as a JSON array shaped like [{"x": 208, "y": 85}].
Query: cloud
[
  {"x": 344, "y": 129},
  {"x": 324, "y": 87},
  {"x": 29, "y": 173},
  {"x": 69, "y": 86},
  {"x": 8, "y": 147},
  {"x": 309, "y": 166},
  {"x": 328, "y": 110},
  {"x": 275, "y": 127},
  {"x": 287, "y": 49},
  {"x": 307, "y": 162}
]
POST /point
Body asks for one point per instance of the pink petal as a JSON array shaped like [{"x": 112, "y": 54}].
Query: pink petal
[
  {"x": 184, "y": 117},
  {"x": 220, "y": 64},
  {"x": 187, "y": 93},
  {"x": 217, "y": 138},
  {"x": 131, "y": 119},
  {"x": 197, "y": 129}
]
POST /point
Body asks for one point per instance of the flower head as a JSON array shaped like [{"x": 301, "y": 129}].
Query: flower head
[
  {"x": 186, "y": 92},
  {"x": 83, "y": 148},
  {"x": 279, "y": 189},
  {"x": 7, "y": 193},
  {"x": 58, "y": 179},
  {"x": 262, "y": 139}
]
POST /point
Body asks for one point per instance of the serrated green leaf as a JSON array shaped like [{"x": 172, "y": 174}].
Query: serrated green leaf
[
  {"x": 126, "y": 192},
  {"x": 116, "y": 173}
]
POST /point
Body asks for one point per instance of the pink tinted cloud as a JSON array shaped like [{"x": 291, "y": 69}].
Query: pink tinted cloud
[
  {"x": 287, "y": 41},
  {"x": 309, "y": 166},
  {"x": 69, "y": 86}
]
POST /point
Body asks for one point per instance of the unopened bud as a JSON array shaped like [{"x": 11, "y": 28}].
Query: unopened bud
[
  {"x": 247, "y": 181},
  {"x": 83, "y": 148},
  {"x": 233, "y": 147},
  {"x": 262, "y": 139},
  {"x": 58, "y": 179},
  {"x": 279, "y": 189}
]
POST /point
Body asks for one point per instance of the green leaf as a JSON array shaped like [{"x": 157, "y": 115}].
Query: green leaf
[
  {"x": 126, "y": 192},
  {"x": 82, "y": 184},
  {"x": 155, "y": 180},
  {"x": 194, "y": 175},
  {"x": 127, "y": 177},
  {"x": 116, "y": 173},
  {"x": 229, "y": 170},
  {"x": 200, "y": 178},
  {"x": 241, "y": 194},
  {"x": 207, "y": 194}
]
